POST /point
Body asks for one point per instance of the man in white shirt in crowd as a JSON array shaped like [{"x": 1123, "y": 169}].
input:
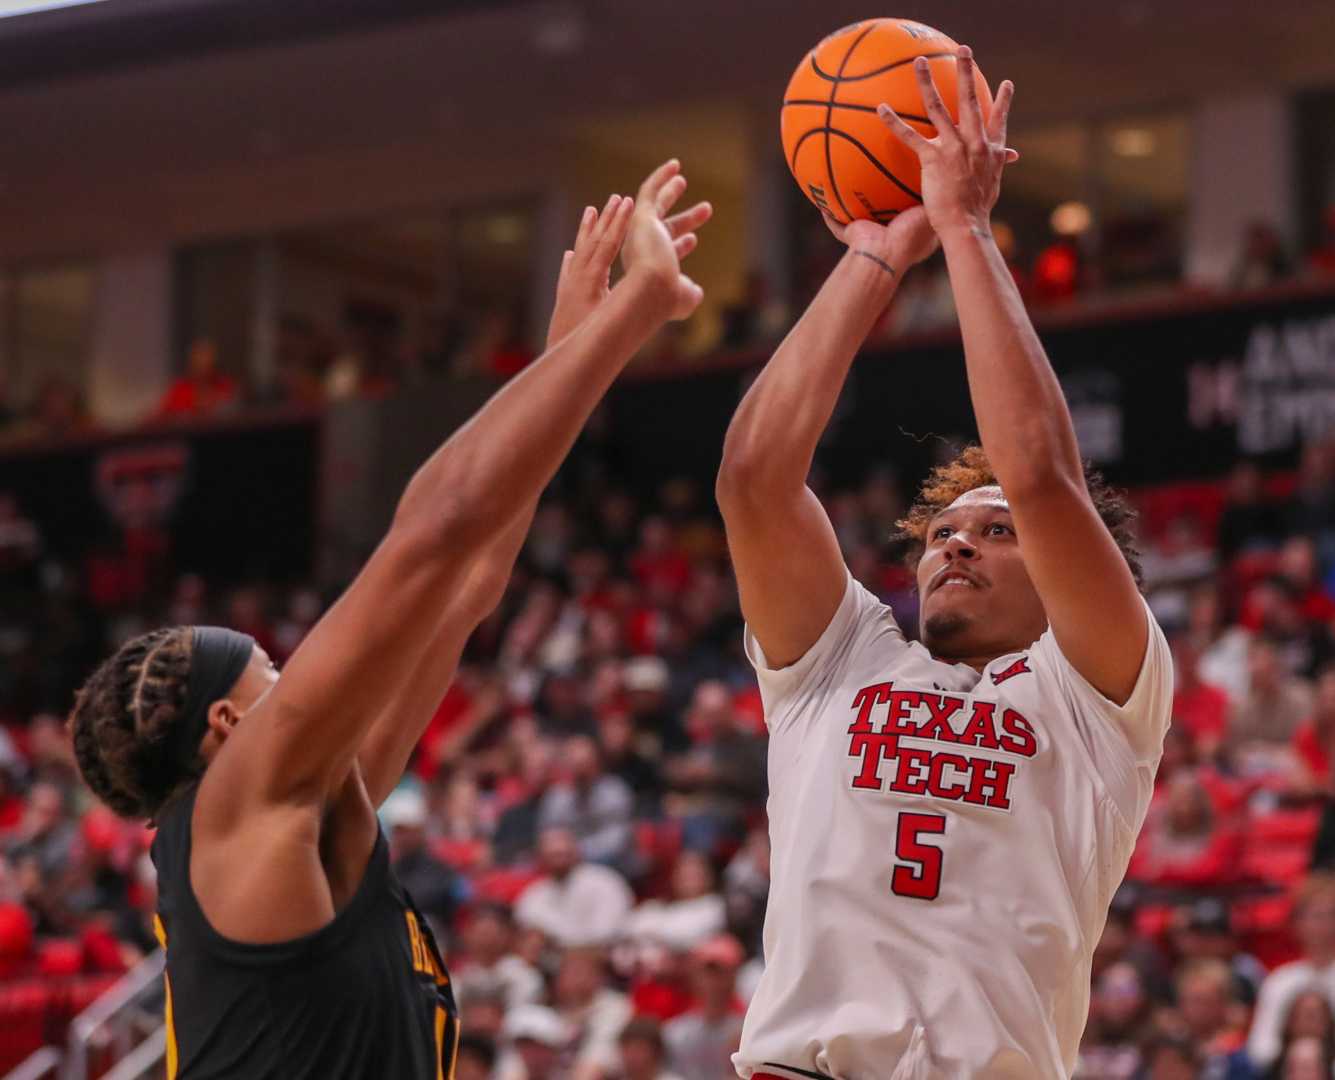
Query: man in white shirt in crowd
[{"x": 577, "y": 903}]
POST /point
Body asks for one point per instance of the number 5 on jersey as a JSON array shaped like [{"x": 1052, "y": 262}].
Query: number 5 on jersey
[{"x": 919, "y": 871}]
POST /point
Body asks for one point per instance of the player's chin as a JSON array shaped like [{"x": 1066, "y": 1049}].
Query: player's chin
[{"x": 944, "y": 623}]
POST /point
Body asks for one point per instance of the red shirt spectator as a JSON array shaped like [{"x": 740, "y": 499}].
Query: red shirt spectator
[{"x": 203, "y": 388}]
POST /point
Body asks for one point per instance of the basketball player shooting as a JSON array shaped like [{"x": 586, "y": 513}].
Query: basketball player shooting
[
  {"x": 949, "y": 818},
  {"x": 292, "y": 951}
]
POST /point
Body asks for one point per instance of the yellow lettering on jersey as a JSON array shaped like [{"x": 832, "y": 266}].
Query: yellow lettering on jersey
[
  {"x": 424, "y": 956},
  {"x": 173, "y": 1054}
]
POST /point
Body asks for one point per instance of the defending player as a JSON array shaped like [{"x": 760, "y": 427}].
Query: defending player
[
  {"x": 292, "y": 950},
  {"x": 949, "y": 819}
]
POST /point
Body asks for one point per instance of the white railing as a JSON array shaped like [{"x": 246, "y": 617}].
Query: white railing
[
  {"x": 116, "y": 1018},
  {"x": 142, "y": 1058},
  {"x": 39, "y": 1065}
]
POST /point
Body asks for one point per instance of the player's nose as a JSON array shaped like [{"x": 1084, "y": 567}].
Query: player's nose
[{"x": 960, "y": 545}]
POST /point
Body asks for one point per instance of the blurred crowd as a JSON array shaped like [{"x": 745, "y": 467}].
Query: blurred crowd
[{"x": 584, "y": 820}]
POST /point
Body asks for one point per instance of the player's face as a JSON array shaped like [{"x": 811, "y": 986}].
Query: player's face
[
  {"x": 977, "y": 599},
  {"x": 256, "y": 681}
]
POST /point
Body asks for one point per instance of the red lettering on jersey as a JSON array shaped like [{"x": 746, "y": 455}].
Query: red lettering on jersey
[
  {"x": 872, "y": 749},
  {"x": 990, "y": 784},
  {"x": 936, "y": 779},
  {"x": 902, "y": 702},
  {"x": 982, "y": 730},
  {"x": 1020, "y": 667},
  {"x": 1019, "y": 737},
  {"x": 913, "y": 766},
  {"x": 864, "y": 701},
  {"x": 943, "y": 708}
]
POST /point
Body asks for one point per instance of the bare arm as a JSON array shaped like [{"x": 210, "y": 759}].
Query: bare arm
[
  {"x": 790, "y": 573},
  {"x": 582, "y": 286},
  {"x": 491, "y": 470},
  {"x": 1088, "y": 592}
]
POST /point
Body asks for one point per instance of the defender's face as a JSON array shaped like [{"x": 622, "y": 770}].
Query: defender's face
[{"x": 977, "y": 598}]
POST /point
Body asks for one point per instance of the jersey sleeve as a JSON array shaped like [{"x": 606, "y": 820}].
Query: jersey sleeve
[
  {"x": 1124, "y": 742},
  {"x": 790, "y": 692}
]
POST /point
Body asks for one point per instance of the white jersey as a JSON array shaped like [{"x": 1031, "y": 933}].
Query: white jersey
[{"x": 945, "y": 847}]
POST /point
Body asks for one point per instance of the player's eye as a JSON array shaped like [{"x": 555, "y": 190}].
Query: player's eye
[
  {"x": 941, "y": 533},
  {"x": 998, "y": 529}
]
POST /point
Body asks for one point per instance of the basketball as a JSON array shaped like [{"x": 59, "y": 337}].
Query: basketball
[{"x": 841, "y": 153}]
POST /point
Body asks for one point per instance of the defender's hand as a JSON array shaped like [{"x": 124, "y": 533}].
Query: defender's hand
[
  {"x": 586, "y": 268},
  {"x": 655, "y": 244}
]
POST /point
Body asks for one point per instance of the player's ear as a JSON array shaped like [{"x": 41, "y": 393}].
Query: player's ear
[{"x": 223, "y": 717}]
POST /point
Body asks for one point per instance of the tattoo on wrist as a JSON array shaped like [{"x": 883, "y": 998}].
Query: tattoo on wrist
[{"x": 877, "y": 260}]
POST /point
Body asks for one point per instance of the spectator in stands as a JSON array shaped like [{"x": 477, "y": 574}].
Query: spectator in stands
[
  {"x": 1169, "y": 1057},
  {"x": 720, "y": 777},
  {"x": 1179, "y": 561},
  {"x": 624, "y": 759},
  {"x": 1183, "y": 841},
  {"x": 695, "y": 914},
  {"x": 1311, "y": 510},
  {"x": 1203, "y": 930},
  {"x": 1314, "y": 926},
  {"x": 538, "y": 1041},
  {"x": 59, "y": 411},
  {"x": 746, "y": 892},
  {"x": 593, "y": 1012},
  {"x": 1261, "y": 258},
  {"x": 1300, "y": 566},
  {"x": 436, "y": 889},
  {"x": 643, "y": 1052},
  {"x": 1314, "y": 741},
  {"x": 489, "y": 960},
  {"x": 1199, "y": 707},
  {"x": 594, "y": 805},
  {"x": 1308, "y": 1051},
  {"x": 1250, "y": 521},
  {"x": 1210, "y": 1014},
  {"x": 203, "y": 389},
  {"x": 476, "y": 1058},
  {"x": 1118, "y": 1021},
  {"x": 576, "y": 903},
  {"x": 483, "y": 1010},
  {"x": 701, "y": 1042},
  {"x": 645, "y": 679},
  {"x": 47, "y": 834},
  {"x": 1264, "y": 722}
]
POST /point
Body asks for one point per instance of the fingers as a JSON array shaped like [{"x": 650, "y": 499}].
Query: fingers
[
  {"x": 971, "y": 113},
  {"x": 1012, "y": 156},
  {"x": 1001, "y": 108},
  {"x": 689, "y": 296},
  {"x": 615, "y": 234},
  {"x": 599, "y": 228},
  {"x": 656, "y": 181},
  {"x": 685, "y": 244},
  {"x": 909, "y": 136},
  {"x": 838, "y": 228},
  {"x": 689, "y": 220},
  {"x": 931, "y": 99},
  {"x": 668, "y": 195}
]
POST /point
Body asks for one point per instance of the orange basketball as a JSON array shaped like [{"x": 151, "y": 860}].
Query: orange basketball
[{"x": 842, "y": 154}]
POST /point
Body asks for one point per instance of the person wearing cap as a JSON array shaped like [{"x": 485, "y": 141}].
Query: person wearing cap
[
  {"x": 701, "y": 1041},
  {"x": 1203, "y": 930},
  {"x": 436, "y": 889},
  {"x": 538, "y": 1040},
  {"x": 273, "y": 869}
]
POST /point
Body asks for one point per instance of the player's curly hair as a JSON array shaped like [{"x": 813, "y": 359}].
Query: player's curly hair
[
  {"x": 123, "y": 718},
  {"x": 970, "y": 469}
]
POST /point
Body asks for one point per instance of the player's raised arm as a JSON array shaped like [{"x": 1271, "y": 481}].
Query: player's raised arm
[
  {"x": 1087, "y": 589},
  {"x": 582, "y": 287},
  {"x": 303, "y": 736},
  {"x": 790, "y": 573}
]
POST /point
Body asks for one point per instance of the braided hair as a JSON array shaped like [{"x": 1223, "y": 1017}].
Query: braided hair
[{"x": 123, "y": 719}]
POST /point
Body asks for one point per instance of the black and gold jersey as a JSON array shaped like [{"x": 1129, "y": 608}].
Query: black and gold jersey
[{"x": 365, "y": 997}]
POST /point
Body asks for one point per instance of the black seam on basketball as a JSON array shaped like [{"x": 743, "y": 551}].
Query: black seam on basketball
[
  {"x": 842, "y": 78},
  {"x": 875, "y": 161},
  {"x": 859, "y": 108},
  {"x": 829, "y": 117},
  {"x": 798, "y": 145}
]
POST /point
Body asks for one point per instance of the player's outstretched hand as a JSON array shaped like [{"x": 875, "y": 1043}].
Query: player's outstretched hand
[
  {"x": 655, "y": 243},
  {"x": 586, "y": 268},
  {"x": 962, "y": 165}
]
